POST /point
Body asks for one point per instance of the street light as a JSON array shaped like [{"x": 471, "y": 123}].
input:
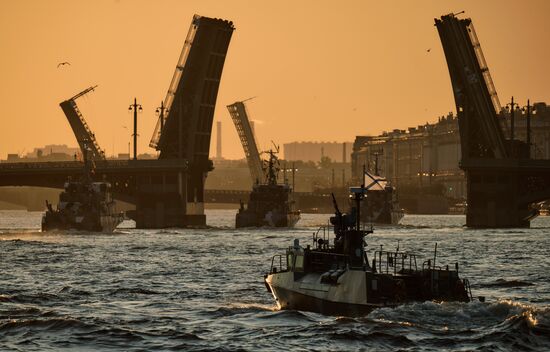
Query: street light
[
  {"x": 510, "y": 107},
  {"x": 160, "y": 111},
  {"x": 529, "y": 109},
  {"x": 135, "y": 106}
]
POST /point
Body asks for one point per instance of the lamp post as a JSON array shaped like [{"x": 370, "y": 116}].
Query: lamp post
[
  {"x": 160, "y": 111},
  {"x": 528, "y": 109},
  {"x": 135, "y": 106},
  {"x": 512, "y": 106},
  {"x": 528, "y": 127}
]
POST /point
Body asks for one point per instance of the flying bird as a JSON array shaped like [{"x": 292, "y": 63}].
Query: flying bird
[{"x": 63, "y": 64}]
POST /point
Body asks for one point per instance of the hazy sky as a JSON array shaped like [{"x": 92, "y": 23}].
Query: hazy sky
[{"x": 321, "y": 70}]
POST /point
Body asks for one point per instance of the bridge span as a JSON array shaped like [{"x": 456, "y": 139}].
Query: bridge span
[
  {"x": 135, "y": 180},
  {"x": 154, "y": 186}
]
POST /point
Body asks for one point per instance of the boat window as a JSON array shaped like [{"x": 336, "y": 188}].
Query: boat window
[
  {"x": 299, "y": 265},
  {"x": 289, "y": 261}
]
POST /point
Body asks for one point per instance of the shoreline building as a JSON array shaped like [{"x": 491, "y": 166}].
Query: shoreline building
[
  {"x": 314, "y": 151},
  {"x": 50, "y": 152},
  {"x": 429, "y": 155}
]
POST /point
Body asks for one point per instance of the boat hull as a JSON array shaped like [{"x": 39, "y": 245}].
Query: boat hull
[
  {"x": 293, "y": 300},
  {"x": 358, "y": 292},
  {"x": 248, "y": 218},
  {"x": 347, "y": 296},
  {"x": 384, "y": 217},
  {"x": 105, "y": 223}
]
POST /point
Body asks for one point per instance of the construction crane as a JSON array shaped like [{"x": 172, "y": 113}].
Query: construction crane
[
  {"x": 240, "y": 118},
  {"x": 84, "y": 136}
]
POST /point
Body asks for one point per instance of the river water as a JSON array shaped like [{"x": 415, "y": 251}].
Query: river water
[{"x": 202, "y": 290}]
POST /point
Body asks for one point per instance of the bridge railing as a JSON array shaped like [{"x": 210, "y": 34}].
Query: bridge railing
[
  {"x": 100, "y": 164},
  {"x": 41, "y": 165}
]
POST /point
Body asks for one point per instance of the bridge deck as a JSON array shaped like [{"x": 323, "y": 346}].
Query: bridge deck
[{"x": 528, "y": 165}]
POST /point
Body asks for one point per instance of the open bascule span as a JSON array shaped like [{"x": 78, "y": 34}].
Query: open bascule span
[
  {"x": 168, "y": 191},
  {"x": 503, "y": 180}
]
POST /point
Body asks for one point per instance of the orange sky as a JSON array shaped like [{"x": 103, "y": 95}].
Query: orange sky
[{"x": 322, "y": 70}]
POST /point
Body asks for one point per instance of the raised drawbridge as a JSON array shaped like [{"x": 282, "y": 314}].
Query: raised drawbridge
[
  {"x": 239, "y": 115},
  {"x": 184, "y": 131},
  {"x": 503, "y": 182},
  {"x": 84, "y": 136}
]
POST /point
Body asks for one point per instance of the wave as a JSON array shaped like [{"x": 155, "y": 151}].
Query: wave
[
  {"x": 134, "y": 291},
  {"x": 22, "y": 240},
  {"x": 74, "y": 291},
  {"x": 51, "y": 324},
  {"x": 476, "y": 322},
  {"x": 507, "y": 283},
  {"x": 20, "y": 312},
  {"x": 20, "y": 231},
  {"x": 382, "y": 340},
  {"x": 242, "y": 308},
  {"x": 168, "y": 232},
  {"x": 29, "y": 298}
]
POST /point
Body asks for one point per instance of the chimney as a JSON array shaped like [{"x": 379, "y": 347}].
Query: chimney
[{"x": 344, "y": 159}]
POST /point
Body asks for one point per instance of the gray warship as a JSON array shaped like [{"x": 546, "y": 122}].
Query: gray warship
[
  {"x": 83, "y": 205},
  {"x": 270, "y": 203},
  {"x": 381, "y": 203}
]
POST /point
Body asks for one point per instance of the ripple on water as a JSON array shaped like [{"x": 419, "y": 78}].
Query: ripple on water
[{"x": 202, "y": 289}]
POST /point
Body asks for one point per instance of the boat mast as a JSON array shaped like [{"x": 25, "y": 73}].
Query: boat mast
[{"x": 272, "y": 170}]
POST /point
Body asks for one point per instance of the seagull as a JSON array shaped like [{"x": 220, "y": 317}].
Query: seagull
[{"x": 63, "y": 64}]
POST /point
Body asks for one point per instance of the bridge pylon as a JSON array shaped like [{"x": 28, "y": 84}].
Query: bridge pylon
[{"x": 503, "y": 182}]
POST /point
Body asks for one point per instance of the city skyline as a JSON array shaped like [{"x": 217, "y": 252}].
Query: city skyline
[{"x": 316, "y": 76}]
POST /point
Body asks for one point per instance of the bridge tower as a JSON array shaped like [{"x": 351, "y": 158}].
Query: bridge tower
[
  {"x": 239, "y": 116},
  {"x": 502, "y": 181}
]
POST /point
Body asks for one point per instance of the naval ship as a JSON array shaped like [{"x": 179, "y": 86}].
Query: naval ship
[
  {"x": 270, "y": 203},
  {"x": 381, "y": 204},
  {"x": 83, "y": 205},
  {"x": 337, "y": 278}
]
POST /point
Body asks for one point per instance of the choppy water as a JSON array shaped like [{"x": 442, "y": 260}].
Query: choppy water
[{"x": 138, "y": 290}]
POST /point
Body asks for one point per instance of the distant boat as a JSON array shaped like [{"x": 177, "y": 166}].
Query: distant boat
[
  {"x": 271, "y": 203},
  {"x": 381, "y": 204},
  {"x": 83, "y": 205}
]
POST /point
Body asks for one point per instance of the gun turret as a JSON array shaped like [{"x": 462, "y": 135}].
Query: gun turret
[{"x": 338, "y": 220}]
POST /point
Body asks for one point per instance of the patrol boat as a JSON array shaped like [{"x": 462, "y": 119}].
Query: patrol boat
[
  {"x": 337, "y": 279},
  {"x": 83, "y": 205},
  {"x": 270, "y": 203}
]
